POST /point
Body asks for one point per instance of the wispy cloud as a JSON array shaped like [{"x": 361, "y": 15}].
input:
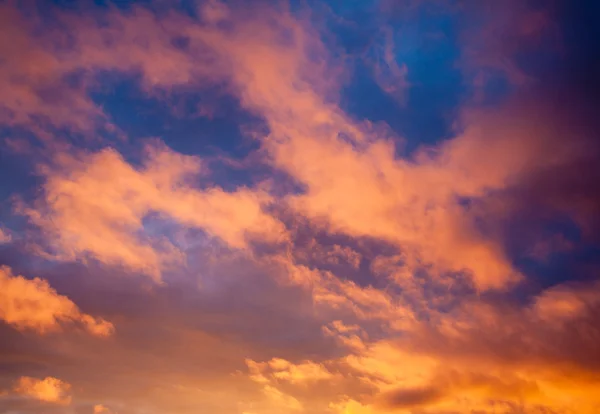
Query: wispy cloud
[{"x": 84, "y": 213}]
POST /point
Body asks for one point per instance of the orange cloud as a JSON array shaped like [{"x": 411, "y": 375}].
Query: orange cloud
[
  {"x": 33, "y": 304},
  {"x": 351, "y": 175},
  {"x": 412, "y": 203},
  {"x": 331, "y": 293},
  {"x": 444, "y": 384},
  {"x": 101, "y": 409},
  {"x": 96, "y": 205},
  {"x": 281, "y": 369},
  {"x": 365, "y": 190},
  {"x": 563, "y": 304},
  {"x": 49, "y": 389}
]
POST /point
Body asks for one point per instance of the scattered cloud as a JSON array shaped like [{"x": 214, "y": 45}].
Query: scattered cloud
[
  {"x": 49, "y": 389},
  {"x": 101, "y": 409},
  {"x": 5, "y": 237},
  {"x": 281, "y": 369},
  {"x": 34, "y": 304},
  {"x": 83, "y": 213}
]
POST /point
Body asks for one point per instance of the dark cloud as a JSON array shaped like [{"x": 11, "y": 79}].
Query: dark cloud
[{"x": 411, "y": 398}]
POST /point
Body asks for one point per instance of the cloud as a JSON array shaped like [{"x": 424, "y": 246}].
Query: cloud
[
  {"x": 281, "y": 400},
  {"x": 561, "y": 304},
  {"x": 49, "y": 389},
  {"x": 4, "y": 236},
  {"x": 281, "y": 369},
  {"x": 494, "y": 38},
  {"x": 416, "y": 203},
  {"x": 36, "y": 98},
  {"x": 84, "y": 211},
  {"x": 511, "y": 354},
  {"x": 335, "y": 256},
  {"x": 388, "y": 73},
  {"x": 279, "y": 375},
  {"x": 73, "y": 49},
  {"x": 33, "y": 304},
  {"x": 331, "y": 155},
  {"x": 428, "y": 205},
  {"x": 101, "y": 409}
]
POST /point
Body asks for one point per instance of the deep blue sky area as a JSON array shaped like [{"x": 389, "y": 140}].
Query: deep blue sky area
[
  {"x": 427, "y": 39},
  {"x": 426, "y": 43}
]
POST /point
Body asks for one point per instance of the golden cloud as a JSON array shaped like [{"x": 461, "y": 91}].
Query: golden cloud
[
  {"x": 49, "y": 389},
  {"x": 33, "y": 304}
]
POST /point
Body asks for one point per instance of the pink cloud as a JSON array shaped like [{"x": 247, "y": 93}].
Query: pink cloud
[{"x": 95, "y": 206}]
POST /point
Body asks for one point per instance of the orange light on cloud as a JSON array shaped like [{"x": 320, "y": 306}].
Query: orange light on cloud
[
  {"x": 49, "y": 389},
  {"x": 33, "y": 304}
]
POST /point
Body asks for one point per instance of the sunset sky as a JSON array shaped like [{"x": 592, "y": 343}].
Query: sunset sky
[{"x": 299, "y": 207}]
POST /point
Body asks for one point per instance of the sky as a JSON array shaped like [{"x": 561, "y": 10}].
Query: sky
[{"x": 299, "y": 206}]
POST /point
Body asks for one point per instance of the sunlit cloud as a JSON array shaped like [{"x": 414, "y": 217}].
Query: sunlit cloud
[
  {"x": 101, "y": 409},
  {"x": 33, "y": 304},
  {"x": 284, "y": 370},
  {"x": 85, "y": 213},
  {"x": 49, "y": 389}
]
